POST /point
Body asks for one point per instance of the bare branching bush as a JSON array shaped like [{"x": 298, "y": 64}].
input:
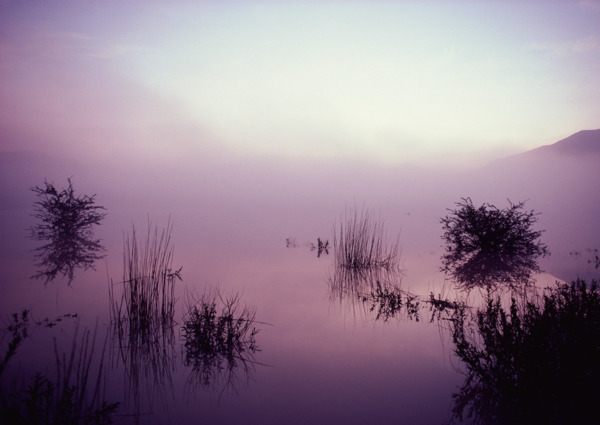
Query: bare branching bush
[
  {"x": 66, "y": 223},
  {"x": 487, "y": 247}
]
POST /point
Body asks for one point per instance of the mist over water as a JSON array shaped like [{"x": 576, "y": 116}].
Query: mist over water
[{"x": 247, "y": 225}]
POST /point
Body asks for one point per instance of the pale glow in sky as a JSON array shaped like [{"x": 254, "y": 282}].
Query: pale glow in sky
[{"x": 388, "y": 81}]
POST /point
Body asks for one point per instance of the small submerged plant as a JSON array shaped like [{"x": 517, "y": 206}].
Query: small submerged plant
[
  {"x": 389, "y": 302},
  {"x": 321, "y": 247},
  {"x": 360, "y": 244},
  {"x": 219, "y": 335}
]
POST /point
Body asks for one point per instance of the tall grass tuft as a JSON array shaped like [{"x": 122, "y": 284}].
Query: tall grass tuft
[
  {"x": 360, "y": 243},
  {"x": 148, "y": 295},
  {"x": 77, "y": 395},
  {"x": 143, "y": 315}
]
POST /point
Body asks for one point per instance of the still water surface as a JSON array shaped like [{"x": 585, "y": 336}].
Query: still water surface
[{"x": 321, "y": 358}]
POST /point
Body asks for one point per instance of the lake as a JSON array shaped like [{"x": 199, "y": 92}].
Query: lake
[{"x": 319, "y": 356}]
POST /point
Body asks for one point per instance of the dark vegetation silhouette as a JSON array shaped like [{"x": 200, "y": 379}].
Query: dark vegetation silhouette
[
  {"x": 534, "y": 362},
  {"x": 360, "y": 243},
  {"x": 147, "y": 300},
  {"x": 533, "y": 359},
  {"x": 389, "y": 301},
  {"x": 19, "y": 332},
  {"x": 486, "y": 247},
  {"x": 66, "y": 223},
  {"x": 75, "y": 394},
  {"x": 369, "y": 290},
  {"x": 219, "y": 335},
  {"x": 366, "y": 268},
  {"x": 322, "y": 246},
  {"x": 142, "y": 316}
]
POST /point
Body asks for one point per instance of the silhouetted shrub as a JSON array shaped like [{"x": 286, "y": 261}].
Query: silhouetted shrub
[
  {"x": 486, "y": 246},
  {"x": 534, "y": 364},
  {"x": 66, "y": 224}
]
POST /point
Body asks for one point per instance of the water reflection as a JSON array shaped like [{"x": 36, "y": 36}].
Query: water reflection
[
  {"x": 74, "y": 394},
  {"x": 322, "y": 246},
  {"x": 219, "y": 335},
  {"x": 532, "y": 362},
  {"x": 366, "y": 269},
  {"x": 142, "y": 316},
  {"x": 487, "y": 247},
  {"x": 373, "y": 290},
  {"x": 66, "y": 225},
  {"x": 148, "y": 360},
  {"x": 360, "y": 244}
]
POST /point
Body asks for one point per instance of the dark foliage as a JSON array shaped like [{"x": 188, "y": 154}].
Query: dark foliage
[
  {"x": 66, "y": 225},
  {"x": 19, "y": 331},
  {"x": 534, "y": 364},
  {"x": 147, "y": 299},
  {"x": 321, "y": 247},
  {"x": 220, "y": 341},
  {"x": 74, "y": 397},
  {"x": 487, "y": 247},
  {"x": 390, "y": 301},
  {"x": 143, "y": 315}
]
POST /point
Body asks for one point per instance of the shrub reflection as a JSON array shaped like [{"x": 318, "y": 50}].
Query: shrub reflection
[
  {"x": 487, "y": 247},
  {"x": 66, "y": 224}
]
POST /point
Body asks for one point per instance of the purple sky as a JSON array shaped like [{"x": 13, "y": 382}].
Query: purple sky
[{"x": 396, "y": 82}]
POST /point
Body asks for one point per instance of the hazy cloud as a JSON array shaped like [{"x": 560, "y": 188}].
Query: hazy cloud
[{"x": 567, "y": 48}]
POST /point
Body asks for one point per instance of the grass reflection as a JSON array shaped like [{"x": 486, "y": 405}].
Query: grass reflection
[
  {"x": 74, "y": 395},
  {"x": 142, "y": 316},
  {"x": 219, "y": 335},
  {"x": 360, "y": 244}
]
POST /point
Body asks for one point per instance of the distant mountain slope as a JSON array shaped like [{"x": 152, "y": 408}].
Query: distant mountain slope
[
  {"x": 582, "y": 143},
  {"x": 561, "y": 181}
]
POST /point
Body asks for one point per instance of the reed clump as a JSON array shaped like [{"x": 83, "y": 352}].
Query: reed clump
[
  {"x": 75, "y": 395},
  {"x": 148, "y": 286},
  {"x": 360, "y": 243}
]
